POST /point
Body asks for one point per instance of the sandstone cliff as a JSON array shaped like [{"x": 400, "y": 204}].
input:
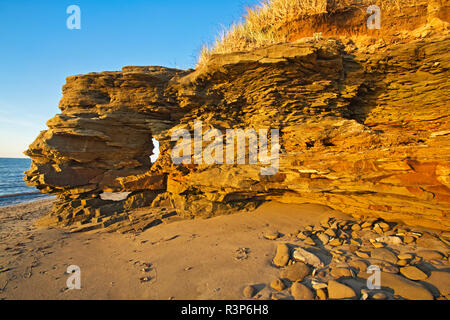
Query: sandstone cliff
[{"x": 363, "y": 120}]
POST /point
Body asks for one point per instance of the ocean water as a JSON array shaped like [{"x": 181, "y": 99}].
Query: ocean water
[{"x": 13, "y": 189}]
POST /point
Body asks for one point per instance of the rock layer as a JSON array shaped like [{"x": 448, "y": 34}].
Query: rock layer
[{"x": 365, "y": 132}]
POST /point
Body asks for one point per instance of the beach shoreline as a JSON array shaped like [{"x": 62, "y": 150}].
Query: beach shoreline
[{"x": 200, "y": 259}]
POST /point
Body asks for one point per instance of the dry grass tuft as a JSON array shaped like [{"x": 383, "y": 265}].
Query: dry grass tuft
[{"x": 261, "y": 24}]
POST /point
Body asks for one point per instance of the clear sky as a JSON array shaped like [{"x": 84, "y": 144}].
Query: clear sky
[{"x": 38, "y": 51}]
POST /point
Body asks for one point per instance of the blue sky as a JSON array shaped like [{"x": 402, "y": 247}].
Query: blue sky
[{"x": 38, "y": 51}]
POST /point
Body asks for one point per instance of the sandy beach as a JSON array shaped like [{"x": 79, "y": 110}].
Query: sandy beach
[
  {"x": 196, "y": 259},
  {"x": 189, "y": 260}
]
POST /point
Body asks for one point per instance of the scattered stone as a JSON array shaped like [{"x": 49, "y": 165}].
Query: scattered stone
[
  {"x": 307, "y": 257},
  {"x": 389, "y": 268},
  {"x": 278, "y": 296},
  {"x": 272, "y": 235},
  {"x": 335, "y": 242},
  {"x": 402, "y": 263},
  {"x": 356, "y": 227},
  {"x": 282, "y": 256},
  {"x": 408, "y": 239},
  {"x": 331, "y": 233},
  {"x": 296, "y": 272},
  {"x": 385, "y": 226},
  {"x": 413, "y": 273},
  {"x": 405, "y": 288},
  {"x": 324, "y": 238},
  {"x": 338, "y": 290},
  {"x": 301, "y": 236},
  {"x": 430, "y": 254},
  {"x": 359, "y": 265},
  {"x": 249, "y": 292},
  {"x": 379, "y": 296},
  {"x": 367, "y": 224},
  {"x": 377, "y": 229},
  {"x": 405, "y": 256},
  {"x": 278, "y": 285},
  {"x": 390, "y": 240},
  {"x": 376, "y": 244},
  {"x": 301, "y": 292},
  {"x": 341, "y": 272},
  {"x": 384, "y": 254}
]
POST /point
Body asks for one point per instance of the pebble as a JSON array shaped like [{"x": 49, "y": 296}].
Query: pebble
[
  {"x": 405, "y": 288},
  {"x": 430, "y": 254},
  {"x": 390, "y": 240},
  {"x": 282, "y": 256},
  {"x": 377, "y": 244},
  {"x": 385, "y": 226},
  {"x": 413, "y": 273},
  {"x": 324, "y": 238},
  {"x": 301, "y": 236},
  {"x": 296, "y": 272},
  {"x": 278, "y": 285},
  {"x": 335, "y": 242},
  {"x": 301, "y": 292},
  {"x": 249, "y": 292},
  {"x": 405, "y": 256},
  {"x": 338, "y": 290},
  {"x": 341, "y": 272},
  {"x": 272, "y": 235},
  {"x": 307, "y": 257},
  {"x": 360, "y": 265},
  {"x": 384, "y": 254},
  {"x": 379, "y": 296},
  {"x": 378, "y": 229},
  {"x": 408, "y": 239},
  {"x": 390, "y": 268},
  {"x": 366, "y": 224},
  {"x": 331, "y": 233},
  {"x": 356, "y": 227},
  {"x": 402, "y": 263}
]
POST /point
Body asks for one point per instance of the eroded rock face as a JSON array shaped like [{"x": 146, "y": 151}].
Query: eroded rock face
[{"x": 367, "y": 134}]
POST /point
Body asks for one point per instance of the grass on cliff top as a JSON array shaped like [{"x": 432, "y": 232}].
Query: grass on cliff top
[{"x": 262, "y": 23}]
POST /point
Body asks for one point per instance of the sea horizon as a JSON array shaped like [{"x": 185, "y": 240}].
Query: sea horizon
[{"x": 13, "y": 189}]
